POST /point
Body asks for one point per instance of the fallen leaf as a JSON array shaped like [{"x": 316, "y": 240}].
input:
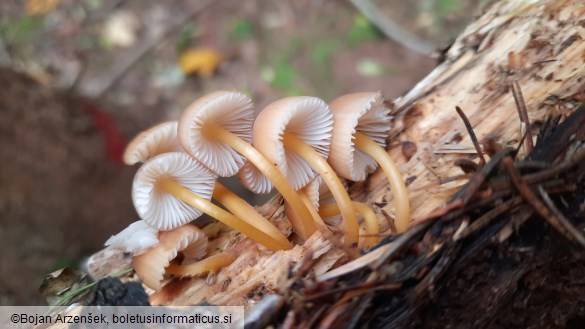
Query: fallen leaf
[
  {"x": 39, "y": 7},
  {"x": 202, "y": 61},
  {"x": 121, "y": 29}
]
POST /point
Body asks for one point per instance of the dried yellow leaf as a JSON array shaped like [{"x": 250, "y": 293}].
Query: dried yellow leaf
[
  {"x": 39, "y": 7},
  {"x": 203, "y": 61}
]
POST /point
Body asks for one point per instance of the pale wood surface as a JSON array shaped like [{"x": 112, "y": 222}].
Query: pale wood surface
[{"x": 540, "y": 44}]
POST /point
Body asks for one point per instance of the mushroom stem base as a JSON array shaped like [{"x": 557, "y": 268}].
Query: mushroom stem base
[
  {"x": 369, "y": 216},
  {"x": 319, "y": 163},
  {"x": 209, "y": 264}
]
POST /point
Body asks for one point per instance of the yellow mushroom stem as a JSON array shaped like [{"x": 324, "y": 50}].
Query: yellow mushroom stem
[
  {"x": 319, "y": 163},
  {"x": 302, "y": 224},
  {"x": 247, "y": 213},
  {"x": 209, "y": 264},
  {"x": 172, "y": 187},
  {"x": 369, "y": 216},
  {"x": 397, "y": 186}
]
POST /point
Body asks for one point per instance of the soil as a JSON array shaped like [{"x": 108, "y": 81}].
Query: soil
[{"x": 526, "y": 283}]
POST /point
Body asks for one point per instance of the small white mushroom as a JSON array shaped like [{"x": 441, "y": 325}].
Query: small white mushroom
[
  {"x": 362, "y": 124},
  {"x": 216, "y": 130},
  {"x": 294, "y": 133},
  {"x": 150, "y": 266},
  {"x": 163, "y": 210},
  {"x": 173, "y": 189},
  {"x": 135, "y": 238},
  {"x": 163, "y": 139}
]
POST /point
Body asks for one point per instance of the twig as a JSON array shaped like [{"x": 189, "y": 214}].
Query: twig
[
  {"x": 476, "y": 181},
  {"x": 577, "y": 158},
  {"x": 471, "y": 134},
  {"x": 561, "y": 226},
  {"x": 393, "y": 30},
  {"x": 571, "y": 229},
  {"x": 488, "y": 217},
  {"x": 523, "y": 113},
  {"x": 119, "y": 70}
]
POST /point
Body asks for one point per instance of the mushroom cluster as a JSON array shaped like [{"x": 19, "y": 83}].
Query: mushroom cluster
[{"x": 294, "y": 145}]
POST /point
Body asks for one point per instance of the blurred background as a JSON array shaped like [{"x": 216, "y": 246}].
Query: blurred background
[{"x": 80, "y": 78}]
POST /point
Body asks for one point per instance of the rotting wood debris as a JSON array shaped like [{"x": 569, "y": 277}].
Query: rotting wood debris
[
  {"x": 507, "y": 253},
  {"x": 504, "y": 252}
]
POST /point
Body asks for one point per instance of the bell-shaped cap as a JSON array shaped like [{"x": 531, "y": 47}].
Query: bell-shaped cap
[
  {"x": 150, "y": 266},
  {"x": 252, "y": 179},
  {"x": 160, "y": 209},
  {"x": 156, "y": 140},
  {"x": 360, "y": 112},
  {"x": 232, "y": 111},
  {"x": 309, "y": 118}
]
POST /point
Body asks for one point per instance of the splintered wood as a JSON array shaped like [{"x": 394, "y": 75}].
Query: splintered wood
[{"x": 538, "y": 44}]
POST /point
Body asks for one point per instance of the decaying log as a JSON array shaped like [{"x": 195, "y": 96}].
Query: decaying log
[
  {"x": 482, "y": 237},
  {"x": 539, "y": 44}
]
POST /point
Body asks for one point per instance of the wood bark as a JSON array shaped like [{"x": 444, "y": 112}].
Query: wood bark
[{"x": 537, "y": 43}]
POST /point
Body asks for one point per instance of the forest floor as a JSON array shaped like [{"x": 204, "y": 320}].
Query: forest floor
[{"x": 144, "y": 61}]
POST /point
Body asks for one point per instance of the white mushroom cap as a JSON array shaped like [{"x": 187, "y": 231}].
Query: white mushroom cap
[
  {"x": 159, "y": 209},
  {"x": 135, "y": 238},
  {"x": 231, "y": 110},
  {"x": 309, "y": 118},
  {"x": 161, "y": 138},
  {"x": 252, "y": 179},
  {"x": 150, "y": 266},
  {"x": 364, "y": 112}
]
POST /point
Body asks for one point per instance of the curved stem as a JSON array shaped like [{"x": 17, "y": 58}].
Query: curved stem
[
  {"x": 209, "y": 264},
  {"x": 369, "y": 216},
  {"x": 187, "y": 196},
  {"x": 247, "y": 213},
  {"x": 319, "y": 163},
  {"x": 397, "y": 186},
  {"x": 302, "y": 224}
]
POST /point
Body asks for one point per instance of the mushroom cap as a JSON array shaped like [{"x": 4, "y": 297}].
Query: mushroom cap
[
  {"x": 135, "y": 238},
  {"x": 160, "y": 209},
  {"x": 309, "y": 118},
  {"x": 150, "y": 266},
  {"x": 161, "y": 138},
  {"x": 313, "y": 191},
  {"x": 254, "y": 180},
  {"x": 231, "y": 110},
  {"x": 364, "y": 112}
]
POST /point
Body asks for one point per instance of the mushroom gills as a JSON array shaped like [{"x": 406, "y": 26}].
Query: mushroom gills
[
  {"x": 163, "y": 138},
  {"x": 172, "y": 187},
  {"x": 370, "y": 220},
  {"x": 302, "y": 223},
  {"x": 319, "y": 164}
]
